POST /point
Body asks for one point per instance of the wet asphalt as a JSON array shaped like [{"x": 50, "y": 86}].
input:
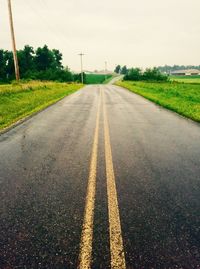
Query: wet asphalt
[{"x": 44, "y": 167}]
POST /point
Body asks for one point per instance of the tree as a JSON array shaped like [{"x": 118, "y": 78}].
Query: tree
[
  {"x": 124, "y": 70},
  {"x": 134, "y": 74},
  {"x": 168, "y": 69},
  {"x": 154, "y": 74},
  {"x": 117, "y": 69},
  {"x": 10, "y": 69},
  {"x": 150, "y": 74},
  {"x": 57, "y": 58},
  {"x": 44, "y": 64},
  {"x": 44, "y": 59},
  {"x": 26, "y": 60},
  {"x": 2, "y": 66}
]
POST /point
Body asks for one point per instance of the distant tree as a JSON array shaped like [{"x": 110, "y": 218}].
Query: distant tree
[
  {"x": 168, "y": 69},
  {"x": 10, "y": 69},
  {"x": 57, "y": 58},
  {"x": 154, "y": 74},
  {"x": 150, "y": 74},
  {"x": 44, "y": 59},
  {"x": 42, "y": 64},
  {"x": 117, "y": 69},
  {"x": 26, "y": 60},
  {"x": 2, "y": 65},
  {"x": 134, "y": 74},
  {"x": 124, "y": 70}
]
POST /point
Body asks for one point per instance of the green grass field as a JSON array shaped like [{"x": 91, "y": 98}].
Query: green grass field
[
  {"x": 97, "y": 79},
  {"x": 186, "y": 79},
  {"x": 182, "y": 98},
  {"x": 20, "y": 100}
]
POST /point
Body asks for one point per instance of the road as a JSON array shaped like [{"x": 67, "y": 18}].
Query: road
[
  {"x": 102, "y": 179},
  {"x": 115, "y": 79}
]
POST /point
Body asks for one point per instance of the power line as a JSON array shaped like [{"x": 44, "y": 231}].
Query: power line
[
  {"x": 49, "y": 27},
  {"x": 40, "y": 15}
]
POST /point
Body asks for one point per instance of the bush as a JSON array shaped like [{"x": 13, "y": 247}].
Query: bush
[
  {"x": 150, "y": 74},
  {"x": 154, "y": 75},
  {"x": 134, "y": 74},
  {"x": 40, "y": 64}
]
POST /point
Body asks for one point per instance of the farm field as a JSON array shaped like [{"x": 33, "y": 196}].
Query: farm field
[
  {"x": 186, "y": 79},
  {"x": 97, "y": 78},
  {"x": 183, "y": 98},
  {"x": 20, "y": 100}
]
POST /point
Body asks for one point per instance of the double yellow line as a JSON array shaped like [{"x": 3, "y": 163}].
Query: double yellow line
[{"x": 116, "y": 242}]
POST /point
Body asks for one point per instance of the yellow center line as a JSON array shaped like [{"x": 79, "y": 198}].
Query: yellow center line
[
  {"x": 116, "y": 241},
  {"x": 85, "y": 256}
]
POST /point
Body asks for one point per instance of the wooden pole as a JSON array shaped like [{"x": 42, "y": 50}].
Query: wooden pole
[
  {"x": 13, "y": 41},
  {"x": 82, "y": 75}
]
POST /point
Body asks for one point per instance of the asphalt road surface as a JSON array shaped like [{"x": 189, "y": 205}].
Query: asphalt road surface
[{"x": 102, "y": 179}]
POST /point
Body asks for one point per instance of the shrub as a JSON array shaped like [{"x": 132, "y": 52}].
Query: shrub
[
  {"x": 134, "y": 74},
  {"x": 150, "y": 74}
]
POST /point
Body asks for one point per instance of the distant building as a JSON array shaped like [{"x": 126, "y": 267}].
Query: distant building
[{"x": 188, "y": 72}]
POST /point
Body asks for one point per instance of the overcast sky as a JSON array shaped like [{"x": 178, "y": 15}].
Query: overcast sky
[{"x": 132, "y": 32}]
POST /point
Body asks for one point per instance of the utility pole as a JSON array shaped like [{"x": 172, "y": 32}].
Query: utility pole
[
  {"x": 105, "y": 70},
  {"x": 82, "y": 78},
  {"x": 13, "y": 41}
]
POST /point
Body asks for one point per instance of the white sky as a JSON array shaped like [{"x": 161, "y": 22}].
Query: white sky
[{"x": 132, "y": 32}]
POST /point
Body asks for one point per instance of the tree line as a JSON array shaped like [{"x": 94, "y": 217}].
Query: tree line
[
  {"x": 137, "y": 74},
  {"x": 40, "y": 64},
  {"x": 168, "y": 69}
]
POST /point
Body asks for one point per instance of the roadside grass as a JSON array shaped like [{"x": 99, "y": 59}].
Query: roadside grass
[
  {"x": 109, "y": 78},
  {"x": 182, "y": 98},
  {"x": 186, "y": 79},
  {"x": 112, "y": 77},
  {"x": 19, "y": 100},
  {"x": 97, "y": 79}
]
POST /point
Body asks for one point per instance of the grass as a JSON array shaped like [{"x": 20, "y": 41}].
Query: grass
[
  {"x": 97, "y": 79},
  {"x": 182, "y": 98},
  {"x": 186, "y": 79},
  {"x": 20, "y": 100}
]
